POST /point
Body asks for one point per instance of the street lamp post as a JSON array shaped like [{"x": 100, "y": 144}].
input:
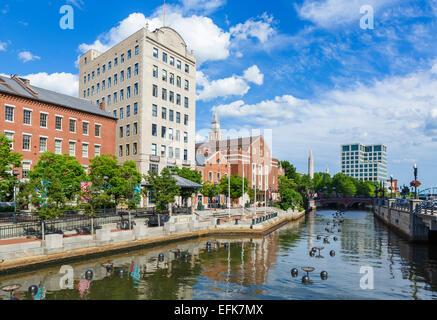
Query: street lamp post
[
  {"x": 16, "y": 173},
  {"x": 415, "y": 179},
  {"x": 391, "y": 186}
]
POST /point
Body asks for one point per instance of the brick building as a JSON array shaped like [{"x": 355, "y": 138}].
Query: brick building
[
  {"x": 248, "y": 157},
  {"x": 39, "y": 120}
]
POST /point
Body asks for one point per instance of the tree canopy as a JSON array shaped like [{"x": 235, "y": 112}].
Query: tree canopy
[
  {"x": 163, "y": 189},
  {"x": 8, "y": 161}
]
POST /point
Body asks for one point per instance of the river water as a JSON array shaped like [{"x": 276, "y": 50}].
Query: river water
[{"x": 253, "y": 268}]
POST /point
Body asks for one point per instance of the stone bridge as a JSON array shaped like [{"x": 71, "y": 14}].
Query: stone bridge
[{"x": 345, "y": 202}]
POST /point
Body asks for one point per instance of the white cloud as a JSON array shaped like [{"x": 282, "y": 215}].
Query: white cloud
[
  {"x": 434, "y": 68},
  {"x": 260, "y": 28},
  {"x": 332, "y": 13},
  {"x": 253, "y": 74},
  {"x": 27, "y": 56},
  {"x": 208, "y": 41},
  {"x": 232, "y": 86},
  {"x": 65, "y": 83},
  {"x": 3, "y": 46}
]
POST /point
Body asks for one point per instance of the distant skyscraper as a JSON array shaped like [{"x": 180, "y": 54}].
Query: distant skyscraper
[
  {"x": 311, "y": 165},
  {"x": 365, "y": 163}
]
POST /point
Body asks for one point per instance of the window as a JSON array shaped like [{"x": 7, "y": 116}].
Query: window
[
  {"x": 186, "y": 120},
  {"x": 10, "y": 136},
  {"x": 210, "y": 176},
  {"x": 134, "y": 149},
  {"x": 164, "y": 75},
  {"x": 129, "y": 54},
  {"x": 127, "y": 150},
  {"x": 121, "y": 113},
  {"x": 154, "y": 151},
  {"x": 58, "y": 146},
  {"x": 164, "y": 57},
  {"x": 154, "y": 110},
  {"x": 104, "y": 69},
  {"x": 187, "y": 68},
  {"x": 128, "y": 130},
  {"x": 72, "y": 148},
  {"x": 178, "y": 136},
  {"x": 178, "y": 99},
  {"x": 93, "y": 74},
  {"x": 187, "y": 85},
  {"x": 127, "y": 111},
  {"x": 171, "y": 98},
  {"x": 154, "y": 130},
  {"x": 135, "y": 129},
  {"x": 137, "y": 50},
  {"x": 98, "y": 88},
  {"x": 178, "y": 153},
  {"x": 27, "y": 117},
  {"x": 128, "y": 93},
  {"x": 115, "y": 113},
  {"x": 97, "y": 149},
  {"x": 122, "y": 58},
  {"x": 98, "y": 128},
  {"x": 109, "y": 82},
  {"x": 42, "y": 144},
  {"x": 88, "y": 92},
  {"x": 135, "y": 89},
  {"x": 163, "y": 132},
  {"x": 185, "y": 137},
  {"x": 179, "y": 64},
  {"x": 163, "y": 151},
  {"x": 136, "y": 70},
  {"x": 122, "y": 76},
  {"x": 178, "y": 117},
  {"x": 178, "y": 81},
  {"x": 129, "y": 73},
  {"x": 85, "y": 128},
  {"x": 72, "y": 125},
  {"x": 170, "y": 152},
  {"x": 120, "y": 151},
  {"x": 170, "y": 134},
  {"x": 115, "y": 79},
  {"x": 9, "y": 114},
  {"x": 120, "y": 132},
  {"x": 86, "y": 60},
  {"x": 155, "y": 91},
  {"x": 135, "y": 108},
  {"x": 155, "y": 53},
  {"x": 164, "y": 113},
  {"x": 109, "y": 100},
  {"x": 115, "y": 62},
  {"x": 103, "y": 85},
  {"x": 186, "y": 102},
  {"x": 84, "y": 93},
  {"x": 164, "y": 94},
  {"x": 172, "y": 61},
  {"x": 172, "y": 78},
  {"x": 26, "y": 169},
  {"x": 171, "y": 115},
  {"x": 186, "y": 155},
  {"x": 115, "y": 97},
  {"x": 26, "y": 142}
]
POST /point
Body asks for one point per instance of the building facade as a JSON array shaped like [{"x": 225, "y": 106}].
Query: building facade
[
  {"x": 39, "y": 120},
  {"x": 148, "y": 82},
  {"x": 249, "y": 157},
  {"x": 365, "y": 163}
]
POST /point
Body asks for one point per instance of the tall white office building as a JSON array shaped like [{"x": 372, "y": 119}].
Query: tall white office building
[
  {"x": 365, "y": 163},
  {"x": 148, "y": 82}
]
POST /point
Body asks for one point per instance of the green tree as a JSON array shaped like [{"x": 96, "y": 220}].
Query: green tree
[
  {"x": 236, "y": 186},
  {"x": 209, "y": 190},
  {"x": 8, "y": 161},
  {"x": 55, "y": 184},
  {"x": 163, "y": 189},
  {"x": 322, "y": 182},
  {"x": 290, "y": 170},
  {"x": 290, "y": 198}
]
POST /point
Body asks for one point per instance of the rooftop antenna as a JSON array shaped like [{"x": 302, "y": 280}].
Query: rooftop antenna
[{"x": 164, "y": 15}]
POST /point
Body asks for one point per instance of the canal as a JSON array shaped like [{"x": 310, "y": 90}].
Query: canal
[{"x": 252, "y": 268}]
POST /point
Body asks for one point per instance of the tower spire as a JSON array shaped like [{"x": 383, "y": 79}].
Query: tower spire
[
  {"x": 215, "y": 134},
  {"x": 311, "y": 165}
]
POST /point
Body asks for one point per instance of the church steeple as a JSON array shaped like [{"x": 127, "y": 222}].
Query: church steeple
[{"x": 215, "y": 134}]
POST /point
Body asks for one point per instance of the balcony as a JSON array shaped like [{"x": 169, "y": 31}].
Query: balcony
[
  {"x": 171, "y": 161},
  {"x": 186, "y": 163},
  {"x": 155, "y": 159}
]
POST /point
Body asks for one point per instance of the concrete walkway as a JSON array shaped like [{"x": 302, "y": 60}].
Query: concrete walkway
[{"x": 24, "y": 253}]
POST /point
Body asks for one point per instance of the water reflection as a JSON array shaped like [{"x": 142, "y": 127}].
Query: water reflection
[{"x": 250, "y": 268}]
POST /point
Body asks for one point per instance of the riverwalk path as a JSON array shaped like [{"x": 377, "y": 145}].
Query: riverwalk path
[{"x": 22, "y": 253}]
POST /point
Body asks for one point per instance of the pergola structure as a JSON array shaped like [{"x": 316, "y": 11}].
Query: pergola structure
[{"x": 183, "y": 183}]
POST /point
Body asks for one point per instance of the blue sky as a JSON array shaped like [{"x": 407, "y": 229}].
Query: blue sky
[{"x": 303, "y": 69}]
